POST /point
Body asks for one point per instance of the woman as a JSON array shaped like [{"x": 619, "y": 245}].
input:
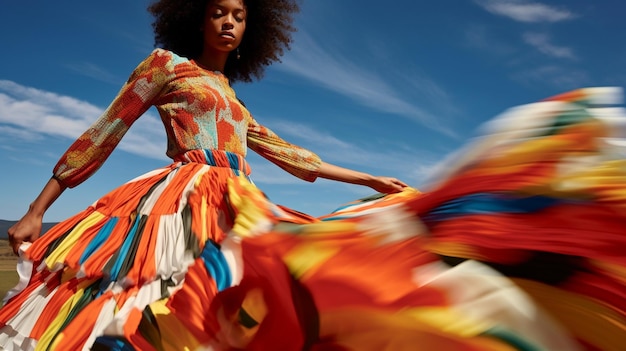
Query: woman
[
  {"x": 518, "y": 247},
  {"x": 136, "y": 244}
]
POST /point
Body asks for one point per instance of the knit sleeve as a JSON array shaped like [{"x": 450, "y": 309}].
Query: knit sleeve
[
  {"x": 298, "y": 161},
  {"x": 87, "y": 154}
]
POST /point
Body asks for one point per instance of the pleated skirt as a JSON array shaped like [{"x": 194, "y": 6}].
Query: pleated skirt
[{"x": 134, "y": 246}]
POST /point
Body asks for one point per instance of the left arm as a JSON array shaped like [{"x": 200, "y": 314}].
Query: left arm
[
  {"x": 306, "y": 165},
  {"x": 386, "y": 185}
]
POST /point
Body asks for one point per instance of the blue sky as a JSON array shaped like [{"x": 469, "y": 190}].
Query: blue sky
[{"x": 390, "y": 88}]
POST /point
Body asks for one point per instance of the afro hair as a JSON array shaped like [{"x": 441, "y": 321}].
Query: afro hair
[{"x": 269, "y": 25}]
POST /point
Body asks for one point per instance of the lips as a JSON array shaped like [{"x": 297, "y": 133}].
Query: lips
[{"x": 227, "y": 34}]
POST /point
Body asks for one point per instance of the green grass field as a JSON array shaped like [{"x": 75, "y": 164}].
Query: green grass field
[{"x": 8, "y": 279}]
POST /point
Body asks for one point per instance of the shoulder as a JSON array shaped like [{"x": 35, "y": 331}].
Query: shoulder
[
  {"x": 167, "y": 59},
  {"x": 158, "y": 52},
  {"x": 159, "y": 60},
  {"x": 167, "y": 55},
  {"x": 161, "y": 57}
]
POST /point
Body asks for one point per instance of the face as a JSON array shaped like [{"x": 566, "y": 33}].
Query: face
[{"x": 224, "y": 25}]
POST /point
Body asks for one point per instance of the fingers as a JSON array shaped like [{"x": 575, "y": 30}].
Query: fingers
[
  {"x": 393, "y": 187},
  {"x": 388, "y": 185},
  {"x": 401, "y": 183},
  {"x": 398, "y": 184},
  {"x": 15, "y": 245}
]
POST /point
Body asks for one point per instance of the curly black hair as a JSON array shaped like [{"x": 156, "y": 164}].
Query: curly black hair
[{"x": 269, "y": 25}]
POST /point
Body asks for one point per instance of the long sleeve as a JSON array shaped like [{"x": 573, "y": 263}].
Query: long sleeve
[
  {"x": 87, "y": 154},
  {"x": 298, "y": 161}
]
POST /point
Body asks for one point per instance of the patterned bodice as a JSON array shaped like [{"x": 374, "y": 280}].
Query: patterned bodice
[{"x": 199, "y": 110}]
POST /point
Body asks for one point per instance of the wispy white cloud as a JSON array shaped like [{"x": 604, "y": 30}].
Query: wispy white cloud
[
  {"x": 29, "y": 113},
  {"x": 9, "y": 132},
  {"x": 480, "y": 37},
  {"x": 336, "y": 73},
  {"x": 414, "y": 165},
  {"x": 93, "y": 71},
  {"x": 559, "y": 77},
  {"x": 526, "y": 11},
  {"x": 42, "y": 112},
  {"x": 542, "y": 43}
]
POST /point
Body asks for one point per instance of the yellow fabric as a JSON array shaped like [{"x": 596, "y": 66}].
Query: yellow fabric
[
  {"x": 58, "y": 255},
  {"x": 54, "y": 326}
]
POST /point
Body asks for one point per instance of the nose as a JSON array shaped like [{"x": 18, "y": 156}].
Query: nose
[{"x": 228, "y": 22}]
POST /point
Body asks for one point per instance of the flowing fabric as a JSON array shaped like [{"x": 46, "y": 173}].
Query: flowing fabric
[
  {"x": 517, "y": 245},
  {"x": 134, "y": 246}
]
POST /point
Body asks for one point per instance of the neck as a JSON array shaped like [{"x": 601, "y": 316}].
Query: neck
[{"x": 214, "y": 61}]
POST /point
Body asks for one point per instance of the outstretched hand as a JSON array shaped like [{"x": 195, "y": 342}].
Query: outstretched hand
[
  {"x": 387, "y": 185},
  {"x": 26, "y": 229}
]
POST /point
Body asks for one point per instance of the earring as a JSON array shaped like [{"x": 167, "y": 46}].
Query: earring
[{"x": 238, "y": 54}]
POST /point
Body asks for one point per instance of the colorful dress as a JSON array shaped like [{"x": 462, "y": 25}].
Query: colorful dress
[
  {"x": 517, "y": 246},
  {"x": 135, "y": 245}
]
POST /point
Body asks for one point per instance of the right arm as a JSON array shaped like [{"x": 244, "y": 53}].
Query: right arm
[
  {"x": 85, "y": 156},
  {"x": 29, "y": 227},
  {"x": 89, "y": 152}
]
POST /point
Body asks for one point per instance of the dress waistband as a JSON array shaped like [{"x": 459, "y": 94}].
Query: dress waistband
[{"x": 217, "y": 158}]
